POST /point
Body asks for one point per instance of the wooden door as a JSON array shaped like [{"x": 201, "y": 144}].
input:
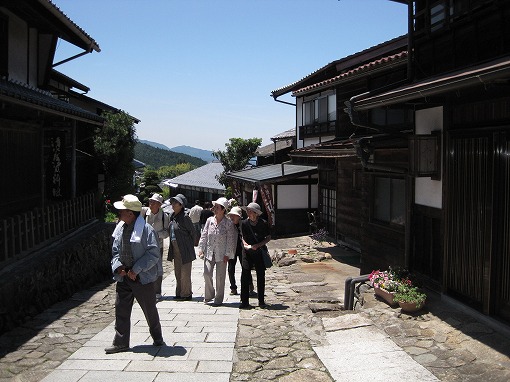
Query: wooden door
[{"x": 477, "y": 239}]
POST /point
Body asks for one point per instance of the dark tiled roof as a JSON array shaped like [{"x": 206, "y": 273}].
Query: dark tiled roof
[
  {"x": 25, "y": 95},
  {"x": 362, "y": 69},
  {"x": 72, "y": 83},
  {"x": 92, "y": 44},
  {"x": 401, "y": 40},
  {"x": 273, "y": 173},
  {"x": 203, "y": 177},
  {"x": 268, "y": 150},
  {"x": 291, "y": 133},
  {"x": 485, "y": 73}
]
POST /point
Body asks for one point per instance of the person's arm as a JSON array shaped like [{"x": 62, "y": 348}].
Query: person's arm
[
  {"x": 117, "y": 265},
  {"x": 231, "y": 245},
  {"x": 202, "y": 243},
  {"x": 188, "y": 225},
  {"x": 165, "y": 232},
  {"x": 151, "y": 254}
]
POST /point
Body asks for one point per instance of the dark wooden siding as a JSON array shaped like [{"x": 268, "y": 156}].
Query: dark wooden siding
[
  {"x": 381, "y": 246},
  {"x": 20, "y": 158},
  {"x": 427, "y": 244},
  {"x": 473, "y": 35},
  {"x": 468, "y": 217},
  {"x": 501, "y": 271},
  {"x": 348, "y": 228}
]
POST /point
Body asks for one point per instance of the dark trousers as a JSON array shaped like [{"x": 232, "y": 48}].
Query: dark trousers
[
  {"x": 232, "y": 271},
  {"x": 159, "y": 281},
  {"x": 249, "y": 261},
  {"x": 126, "y": 292}
]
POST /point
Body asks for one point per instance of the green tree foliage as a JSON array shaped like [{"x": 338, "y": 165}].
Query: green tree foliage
[
  {"x": 150, "y": 185},
  {"x": 167, "y": 172},
  {"x": 155, "y": 158},
  {"x": 114, "y": 144},
  {"x": 236, "y": 156}
]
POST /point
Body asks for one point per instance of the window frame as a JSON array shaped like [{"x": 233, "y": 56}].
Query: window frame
[{"x": 390, "y": 222}]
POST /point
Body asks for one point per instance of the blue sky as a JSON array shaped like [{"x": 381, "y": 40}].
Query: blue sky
[{"x": 198, "y": 72}]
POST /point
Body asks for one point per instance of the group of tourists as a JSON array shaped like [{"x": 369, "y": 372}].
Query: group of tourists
[{"x": 221, "y": 238}]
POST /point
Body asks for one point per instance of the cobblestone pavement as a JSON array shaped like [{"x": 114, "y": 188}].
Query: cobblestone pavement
[{"x": 277, "y": 343}]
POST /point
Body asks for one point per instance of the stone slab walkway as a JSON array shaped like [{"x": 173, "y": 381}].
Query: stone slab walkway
[{"x": 199, "y": 338}]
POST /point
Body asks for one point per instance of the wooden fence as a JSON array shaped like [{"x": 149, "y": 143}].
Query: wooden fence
[{"x": 26, "y": 231}]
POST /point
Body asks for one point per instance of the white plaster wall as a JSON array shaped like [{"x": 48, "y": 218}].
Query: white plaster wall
[
  {"x": 296, "y": 196},
  {"x": 428, "y": 192}
]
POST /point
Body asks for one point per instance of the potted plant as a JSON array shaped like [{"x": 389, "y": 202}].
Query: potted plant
[
  {"x": 409, "y": 298},
  {"x": 384, "y": 285}
]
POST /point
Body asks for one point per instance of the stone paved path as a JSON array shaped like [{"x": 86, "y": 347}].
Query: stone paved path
[{"x": 284, "y": 342}]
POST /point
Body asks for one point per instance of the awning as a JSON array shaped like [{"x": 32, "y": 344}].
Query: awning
[
  {"x": 477, "y": 75},
  {"x": 272, "y": 173}
]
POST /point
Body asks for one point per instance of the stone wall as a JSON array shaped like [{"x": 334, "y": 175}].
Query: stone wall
[{"x": 41, "y": 279}]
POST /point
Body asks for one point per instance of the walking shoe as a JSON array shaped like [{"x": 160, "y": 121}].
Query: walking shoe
[
  {"x": 159, "y": 343},
  {"x": 233, "y": 292},
  {"x": 253, "y": 293},
  {"x": 262, "y": 305},
  {"x": 158, "y": 297},
  {"x": 116, "y": 349},
  {"x": 180, "y": 298},
  {"x": 176, "y": 297},
  {"x": 245, "y": 306}
]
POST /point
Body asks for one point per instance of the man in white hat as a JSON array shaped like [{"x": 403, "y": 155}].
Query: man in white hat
[
  {"x": 135, "y": 258},
  {"x": 159, "y": 220}
]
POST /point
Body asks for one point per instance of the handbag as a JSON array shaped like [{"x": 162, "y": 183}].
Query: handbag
[{"x": 268, "y": 263}]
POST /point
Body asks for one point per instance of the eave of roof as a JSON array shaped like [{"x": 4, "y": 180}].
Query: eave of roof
[
  {"x": 23, "y": 95},
  {"x": 362, "y": 70},
  {"x": 343, "y": 63},
  {"x": 448, "y": 82},
  {"x": 103, "y": 105},
  {"x": 269, "y": 149},
  {"x": 334, "y": 149},
  {"x": 288, "y": 134},
  {"x": 272, "y": 173},
  {"x": 88, "y": 42},
  {"x": 72, "y": 83}
]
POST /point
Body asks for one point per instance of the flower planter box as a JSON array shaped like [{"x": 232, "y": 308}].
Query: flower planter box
[
  {"x": 410, "y": 307},
  {"x": 385, "y": 295}
]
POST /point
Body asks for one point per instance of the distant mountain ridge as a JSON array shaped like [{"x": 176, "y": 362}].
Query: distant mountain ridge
[
  {"x": 194, "y": 152},
  {"x": 157, "y": 157},
  {"x": 154, "y": 144},
  {"x": 205, "y": 155}
]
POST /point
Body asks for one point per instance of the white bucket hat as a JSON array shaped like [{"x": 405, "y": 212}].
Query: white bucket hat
[
  {"x": 236, "y": 211},
  {"x": 222, "y": 202},
  {"x": 129, "y": 202},
  {"x": 253, "y": 207},
  {"x": 157, "y": 198}
]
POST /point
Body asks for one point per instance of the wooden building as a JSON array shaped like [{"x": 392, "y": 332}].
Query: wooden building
[
  {"x": 53, "y": 180},
  {"x": 449, "y": 168},
  {"x": 330, "y": 141}
]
